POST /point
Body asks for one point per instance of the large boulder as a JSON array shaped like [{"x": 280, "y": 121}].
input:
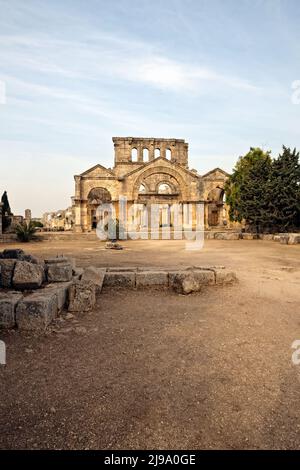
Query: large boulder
[
  {"x": 94, "y": 275},
  {"x": 82, "y": 296},
  {"x": 7, "y": 267},
  {"x": 27, "y": 276}
]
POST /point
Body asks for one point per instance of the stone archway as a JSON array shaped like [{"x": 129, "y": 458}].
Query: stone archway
[
  {"x": 215, "y": 200},
  {"x": 96, "y": 197}
]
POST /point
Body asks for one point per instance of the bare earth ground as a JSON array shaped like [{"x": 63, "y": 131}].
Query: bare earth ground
[{"x": 158, "y": 370}]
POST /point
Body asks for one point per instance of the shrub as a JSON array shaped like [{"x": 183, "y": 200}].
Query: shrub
[{"x": 25, "y": 231}]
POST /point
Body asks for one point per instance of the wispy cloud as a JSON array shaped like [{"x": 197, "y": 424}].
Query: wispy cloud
[{"x": 116, "y": 58}]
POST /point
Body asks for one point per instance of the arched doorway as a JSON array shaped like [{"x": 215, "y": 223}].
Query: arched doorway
[
  {"x": 96, "y": 197},
  {"x": 216, "y": 201}
]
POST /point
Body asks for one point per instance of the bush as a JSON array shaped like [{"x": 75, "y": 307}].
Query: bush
[{"x": 25, "y": 231}]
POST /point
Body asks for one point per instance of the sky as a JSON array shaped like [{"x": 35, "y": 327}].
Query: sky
[{"x": 75, "y": 73}]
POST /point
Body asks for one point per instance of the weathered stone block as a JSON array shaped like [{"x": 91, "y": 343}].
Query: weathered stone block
[
  {"x": 227, "y": 236},
  {"x": 204, "y": 277},
  {"x": 294, "y": 238},
  {"x": 57, "y": 260},
  {"x": 266, "y": 236},
  {"x": 13, "y": 254},
  {"x": 94, "y": 275},
  {"x": 249, "y": 236},
  {"x": 276, "y": 238},
  {"x": 77, "y": 273},
  {"x": 8, "y": 304},
  {"x": 61, "y": 291},
  {"x": 36, "y": 311},
  {"x": 7, "y": 267},
  {"x": 152, "y": 279},
  {"x": 82, "y": 296},
  {"x": 224, "y": 276},
  {"x": 27, "y": 275},
  {"x": 122, "y": 269},
  {"x": 119, "y": 279},
  {"x": 59, "y": 272},
  {"x": 184, "y": 282},
  {"x": 284, "y": 239}
]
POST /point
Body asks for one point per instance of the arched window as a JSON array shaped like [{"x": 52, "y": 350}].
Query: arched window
[
  {"x": 157, "y": 153},
  {"x": 98, "y": 196},
  {"x": 142, "y": 189},
  {"x": 145, "y": 155},
  {"x": 164, "y": 188},
  {"x": 168, "y": 154},
  {"x": 134, "y": 155}
]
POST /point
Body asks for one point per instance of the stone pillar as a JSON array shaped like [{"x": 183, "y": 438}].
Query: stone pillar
[
  {"x": 206, "y": 215},
  {"x": 77, "y": 226},
  {"x": 27, "y": 215},
  {"x": 151, "y": 152},
  {"x": 140, "y": 153}
]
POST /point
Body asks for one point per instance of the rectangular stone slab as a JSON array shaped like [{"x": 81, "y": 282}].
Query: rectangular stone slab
[
  {"x": 36, "y": 311},
  {"x": 119, "y": 279},
  {"x": 59, "y": 272},
  {"x": 152, "y": 278}
]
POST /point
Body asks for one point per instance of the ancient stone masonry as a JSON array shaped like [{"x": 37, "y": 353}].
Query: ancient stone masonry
[
  {"x": 147, "y": 171},
  {"x": 34, "y": 293}
]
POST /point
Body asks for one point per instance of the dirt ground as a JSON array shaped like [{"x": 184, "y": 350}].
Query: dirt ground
[{"x": 156, "y": 370}]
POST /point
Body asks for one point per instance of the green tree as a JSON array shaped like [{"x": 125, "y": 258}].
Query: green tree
[
  {"x": 6, "y": 212},
  {"x": 247, "y": 189},
  {"x": 284, "y": 191}
]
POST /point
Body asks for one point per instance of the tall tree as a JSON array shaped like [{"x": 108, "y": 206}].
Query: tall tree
[
  {"x": 247, "y": 188},
  {"x": 284, "y": 190},
  {"x": 6, "y": 212},
  {"x": 6, "y": 206}
]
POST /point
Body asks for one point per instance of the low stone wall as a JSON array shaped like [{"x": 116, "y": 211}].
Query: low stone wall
[
  {"x": 283, "y": 238},
  {"x": 34, "y": 293},
  {"x": 8, "y": 238}
]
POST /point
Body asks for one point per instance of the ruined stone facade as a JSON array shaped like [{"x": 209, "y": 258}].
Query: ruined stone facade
[{"x": 147, "y": 171}]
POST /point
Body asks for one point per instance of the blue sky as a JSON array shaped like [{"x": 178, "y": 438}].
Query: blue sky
[{"x": 76, "y": 73}]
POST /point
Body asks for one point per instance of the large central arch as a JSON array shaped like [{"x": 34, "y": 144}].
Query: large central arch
[{"x": 152, "y": 178}]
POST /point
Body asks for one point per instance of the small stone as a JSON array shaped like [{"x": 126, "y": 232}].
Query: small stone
[{"x": 113, "y": 246}]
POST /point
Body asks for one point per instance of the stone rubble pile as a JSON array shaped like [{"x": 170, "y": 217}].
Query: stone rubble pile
[{"x": 34, "y": 293}]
